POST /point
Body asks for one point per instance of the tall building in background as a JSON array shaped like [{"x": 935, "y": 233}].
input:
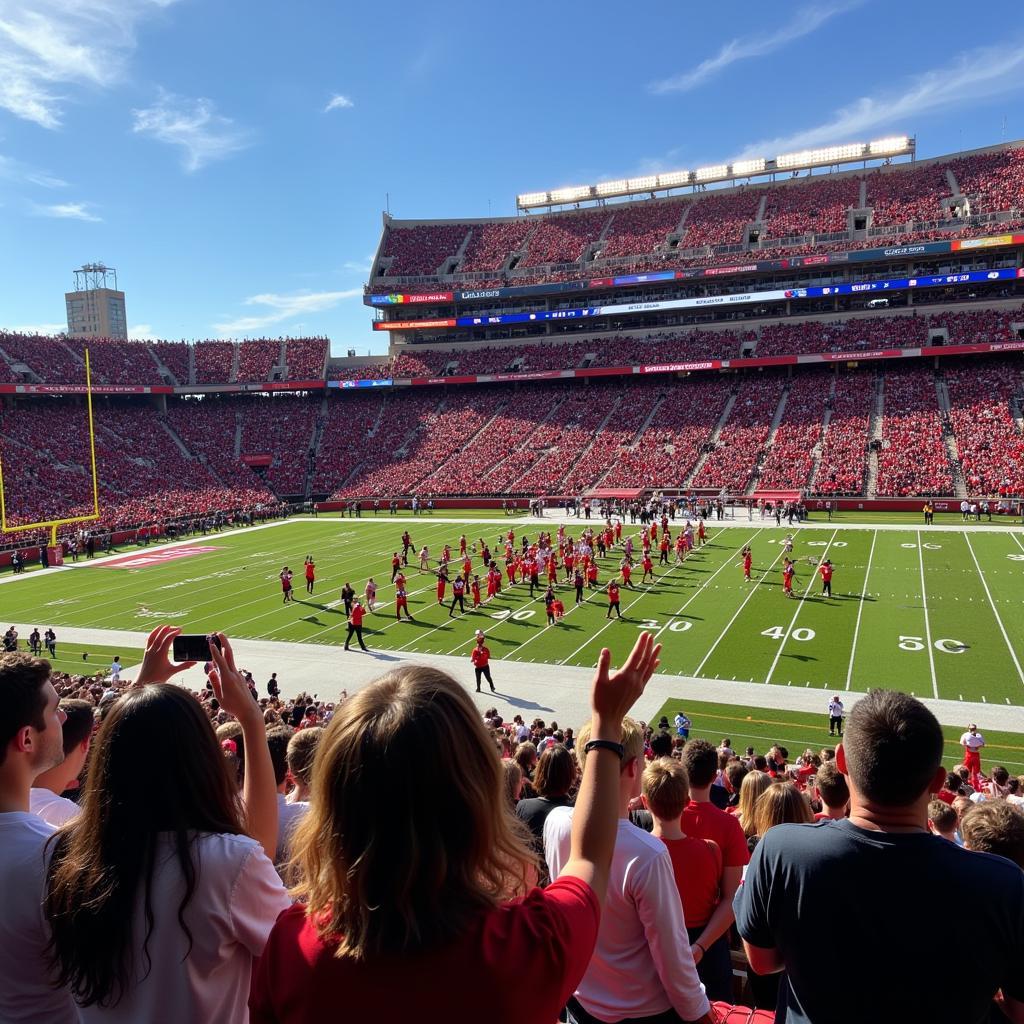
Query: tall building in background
[{"x": 96, "y": 307}]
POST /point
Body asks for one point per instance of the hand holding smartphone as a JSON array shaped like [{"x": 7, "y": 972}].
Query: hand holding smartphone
[{"x": 194, "y": 646}]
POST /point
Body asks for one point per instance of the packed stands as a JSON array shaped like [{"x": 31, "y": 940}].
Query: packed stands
[
  {"x": 257, "y": 359},
  {"x": 306, "y": 358},
  {"x": 562, "y": 238},
  {"x": 743, "y": 436},
  {"x": 175, "y": 355},
  {"x": 115, "y": 361},
  {"x": 283, "y": 428},
  {"x": 814, "y": 205},
  {"x": 899, "y": 195},
  {"x": 789, "y": 460},
  {"x": 843, "y": 460},
  {"x": 719, "y": 218},
  {"x": 209, "y": 428},
  {"x": 989, "y": 442},
  {"x": 214, "y": 361},
  {"x": 666, "y": 451},
  {"x": 992, "y": 181},
  {"x": 421, "y": 249},
  {"x": 492, "y": 244},
  {"x": 913, "y": 459},
  {"x": 855, "y": 334},
  {"x": 49, "y": 358},
  {"x": 346, "y": 437},
  {"x": 641, "y": 227}
]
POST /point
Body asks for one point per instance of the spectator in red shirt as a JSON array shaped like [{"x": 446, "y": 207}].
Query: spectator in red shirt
[
  {"x": 703, "y": 820},
  {"x": 697, "y": 865},
  {"x": 448, "y": 922}
]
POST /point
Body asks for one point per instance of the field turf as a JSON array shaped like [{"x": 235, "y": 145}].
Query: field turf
[
  {"x": 934, "y": 613},
  {"x": 800, "y": 730}
]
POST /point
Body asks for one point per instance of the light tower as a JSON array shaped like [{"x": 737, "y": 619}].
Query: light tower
[{"x": 96, "y": 307}]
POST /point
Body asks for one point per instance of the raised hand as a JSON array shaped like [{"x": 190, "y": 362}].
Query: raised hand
[
  {"x": 614, "y": 693},
  {"x": 157, "y": 666},
  {"x": 229, "y": 685}
]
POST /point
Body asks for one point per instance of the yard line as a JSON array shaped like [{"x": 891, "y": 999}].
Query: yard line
[
  {"x": 995, "y": 612},
  {"x": 743, "y": 604},
  {"x": 694, "y": 596},
  {"x": 800, "y": 604},
  {"x": 927, "y": 624},
  {"x": 860, "y": 609},
  {"x": 1013, "y": 534}
]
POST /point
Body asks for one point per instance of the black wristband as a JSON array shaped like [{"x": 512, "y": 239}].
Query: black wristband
[{"x": 615, "y": 748}]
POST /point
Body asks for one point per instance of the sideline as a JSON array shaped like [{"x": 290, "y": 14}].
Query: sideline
[{"x": 532, "y": 688}]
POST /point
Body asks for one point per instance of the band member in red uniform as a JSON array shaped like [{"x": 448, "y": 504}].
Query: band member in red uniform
[
  {"x": 592, "y": 575},
  {"x": 442, "y": 582},
  {"x": 462, "y": 544},
  {"x": 618, "y": 530},
  {"x": 481, "y": 658},
  {"x": 648, "y": 567},
  {"x": 748, "y": 561},
  {"x": 285, "y": 577},
  {"x": 613, "y": 600},
  {"x": 788, "y": 572},
  {"x": 458, "y": 595},
  {"x": 406, "y": 546},
  {"x": 396, "y": 564},
  {"x": 663, "y": 548},
  {"x": 402, "y": 603},
  {"x": 627, "y": 573},
  {"x": 702, "y": 533},
  {"x": 826, "y": 578},
  {"x": 310, "y": 568},
  {"x": 355, "y": 624},
  {"x": 474, "y": 589}
]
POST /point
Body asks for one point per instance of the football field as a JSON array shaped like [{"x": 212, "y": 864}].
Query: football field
[{"x": 935, "y": 612}]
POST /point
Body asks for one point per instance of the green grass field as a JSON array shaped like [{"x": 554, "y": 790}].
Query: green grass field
[
  {"x": 800, "y": 730},
  {"x": 936, "y": 614}
]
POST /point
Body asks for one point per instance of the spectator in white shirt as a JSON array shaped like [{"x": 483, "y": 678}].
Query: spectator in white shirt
[
  {"x": 157, "y": 899},
  {"x": 30, "y": 743},
  {"x": 288, "y": 814},
  {"x": 642, "y": 966},
  {"x": 45, "y": 798}
]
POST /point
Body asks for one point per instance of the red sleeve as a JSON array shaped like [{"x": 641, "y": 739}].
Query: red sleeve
[
  {"x": 280, "y": 957},
  {"x": 555, "y": 933},
  {"x": 734, "y": 850}
]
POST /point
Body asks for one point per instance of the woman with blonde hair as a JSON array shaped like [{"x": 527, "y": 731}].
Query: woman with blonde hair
[
  {"x": 753, "y": 785},
  {"x": 780, "y": 804},
  {"x": 415, "y": 873}
]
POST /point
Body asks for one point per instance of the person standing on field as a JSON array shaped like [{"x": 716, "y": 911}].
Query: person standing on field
[
  {"x": 481, "y": 658},
  {"x": 355, "y": 624},
  {"x": 826, "y": 577},
  {"x": 310, "y": 574},
  {"x": 835, "y": 716}
]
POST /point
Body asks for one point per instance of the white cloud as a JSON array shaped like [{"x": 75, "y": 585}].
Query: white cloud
[
  {"x": 973, "y": 75},
  {"x": 359, "y": 267},
  {"x": 39, "y": 328},
  {"x": 16, "y": 170},
  {"x": 285, "y": 307},
  {"x": 806, "y": 21},
  {"x": 67, "y": 211},
  {"x": 142, "y": 332},
  {"x": 52, "y": 48},
  {"x": 194, "y": 125},
  {"x": 338, "y": 102}
]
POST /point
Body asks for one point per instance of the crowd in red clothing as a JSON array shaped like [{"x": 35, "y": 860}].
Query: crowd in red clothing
[
  {"x": 843, "y": 459},
  {"x": 789, "y": 460}
]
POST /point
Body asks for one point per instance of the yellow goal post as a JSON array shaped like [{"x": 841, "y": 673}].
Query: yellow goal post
[{"x": 52, "y": 524}]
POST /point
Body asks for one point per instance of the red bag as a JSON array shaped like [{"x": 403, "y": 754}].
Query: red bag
[{"x": 729, "y": 1014}]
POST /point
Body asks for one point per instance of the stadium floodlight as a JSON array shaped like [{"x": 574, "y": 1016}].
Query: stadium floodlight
[
  {"x": 828, "y": 155},
  {"x": 643, "y": 184},
  {"x": 708, "y": 173},
  {"x": 572, "y": 194},
  {"x": 673, "y": 179},
  {"x": 896, "y": 144},
  {"x": 532, "y": 199},
  {"x": 742, "y": 167},
  {"x": 612, "y": 188}
]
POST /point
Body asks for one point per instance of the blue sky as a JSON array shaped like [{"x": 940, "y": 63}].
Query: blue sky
[{"x": 231, "y": 160}]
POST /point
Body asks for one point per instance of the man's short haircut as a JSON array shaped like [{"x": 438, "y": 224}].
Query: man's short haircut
[
  {"x": 555, "y": 772},
  {"x": 277, "y": 741},
  {"x": 832, "y": 786},
  {"x": 666, "y": 789},
  {"x": 700, "y": 759},
  {"x": 761, "y": 763},
  {"x": 22, "y": 701},
  {"x": 995, "y": 827},
  {"x": 942, "y": 816},
  {"x": 78, "y": 725},
  {"x": 661, "y": 744},
  {"x": 301, "y": 752},
  {"x": 632, "y": 742},
  {"x": 893, "y": 747},
  {"x": 1000, "y": 775}
]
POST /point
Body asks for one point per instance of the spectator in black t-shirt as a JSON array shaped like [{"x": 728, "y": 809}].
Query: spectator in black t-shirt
[
  {"x": 273, "y": 687},
  {"x": 553, "y": 778},
  {"x": 856, "y": 879}
]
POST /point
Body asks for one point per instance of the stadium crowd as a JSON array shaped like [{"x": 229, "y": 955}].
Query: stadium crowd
[{"x": 288, "y": 850}]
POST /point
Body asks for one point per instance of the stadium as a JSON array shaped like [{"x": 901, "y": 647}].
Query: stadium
[{"x": 684, "y": 405}]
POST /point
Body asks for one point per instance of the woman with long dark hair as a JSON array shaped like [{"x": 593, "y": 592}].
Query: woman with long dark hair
[
  {"x": 160, "y": 894},
  {"x": 415, "y": 873}
]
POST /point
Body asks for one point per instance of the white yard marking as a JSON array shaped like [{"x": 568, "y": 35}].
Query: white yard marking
[
  {"x": 995, "y": 611},
  {"x": 927, "y": 624},
  {"x": 860, "y": 610}
]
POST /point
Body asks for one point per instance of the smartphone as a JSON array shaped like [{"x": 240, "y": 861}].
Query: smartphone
[{"x": 193, "y": 647}]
